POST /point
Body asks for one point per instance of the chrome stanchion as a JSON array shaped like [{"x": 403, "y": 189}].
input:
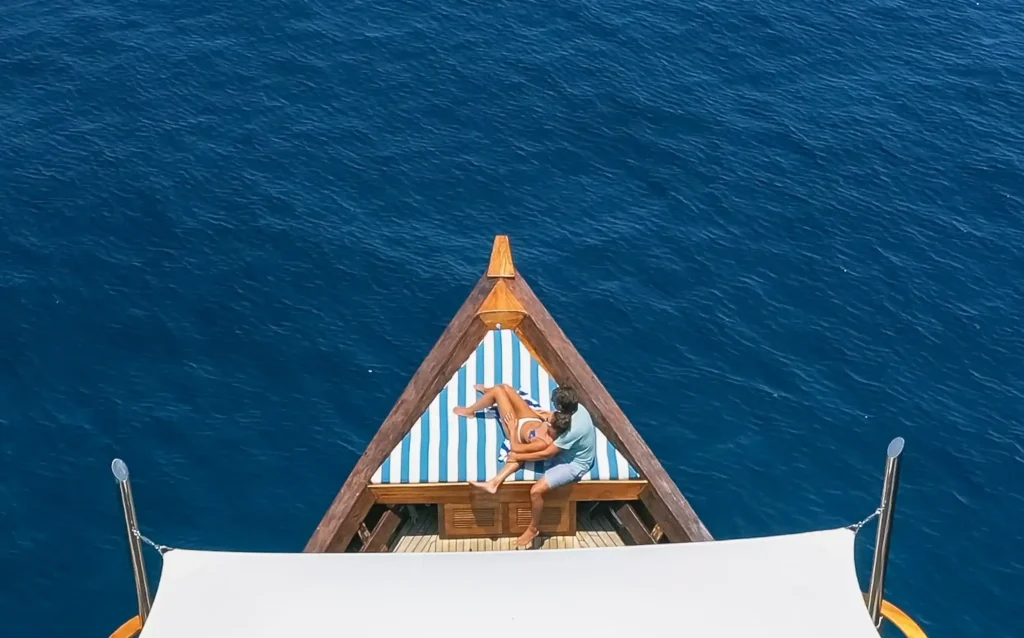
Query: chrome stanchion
[
  {"x": 894, "y": 458},
  {"x": 120, "y": 471}
]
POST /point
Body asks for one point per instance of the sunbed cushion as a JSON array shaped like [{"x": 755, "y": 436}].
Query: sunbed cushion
[{"x": 444, "y": 448}]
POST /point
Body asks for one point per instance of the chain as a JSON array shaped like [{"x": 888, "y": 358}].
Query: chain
[
  {"x": 856, "y": 526},
  {"x": 163, "y": 549}
]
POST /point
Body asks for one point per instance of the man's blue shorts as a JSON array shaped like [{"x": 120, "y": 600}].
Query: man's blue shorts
[{"x": 563, "y": 474}]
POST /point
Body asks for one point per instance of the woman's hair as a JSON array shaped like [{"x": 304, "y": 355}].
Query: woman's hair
[{"x": 560, "y": 423}]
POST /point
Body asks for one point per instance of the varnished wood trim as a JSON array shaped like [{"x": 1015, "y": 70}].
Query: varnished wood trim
[
  {"x": 437, "y": 493},
  {"x": 382, "y": 533},
  {"x": 456, "y": 343},
  {"x": 501, "y": 320},
  {"x": 501, "y": 299},
  {"x": 664, "y": 500},
  {"x": 474, "y": 518},
  {"x": 501, "y": 264},
  {"x": 501, "y": 308},
  {"x": 632, "y": 525},
  {"x": 517, "y": 518}
]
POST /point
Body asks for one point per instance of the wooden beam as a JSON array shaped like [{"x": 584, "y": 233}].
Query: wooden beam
[
  {"x": 501, "y": 259},
  {"x": 463, "y": 334},
  {"x": 360, "y": 509},
  {"x": 632, "y": 525},
  {"x": 519, "y": 491},
  {"x": 664, "y": 500},
  {"x": 382, "y": 532},
  {"x": 533, "y": 352}
]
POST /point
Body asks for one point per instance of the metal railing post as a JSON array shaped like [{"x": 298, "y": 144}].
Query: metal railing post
[
  {"x": 120, "y": 471},
  {"x": 893, "y": 461}
]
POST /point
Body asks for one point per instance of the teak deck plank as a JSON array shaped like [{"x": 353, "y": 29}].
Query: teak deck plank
[
  {"x": 606, "y": 533},
  {"x": 421, "y": 543},
  {"x": 583, "y": 538},
  {"x": 595, "y": 538},
  {"x": 417, "y": 537}
]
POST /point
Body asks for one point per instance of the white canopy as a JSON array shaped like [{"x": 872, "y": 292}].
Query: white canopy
[{"x": 782, "y": 586}]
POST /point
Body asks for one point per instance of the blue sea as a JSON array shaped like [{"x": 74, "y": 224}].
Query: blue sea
[{"x": 782, "y": 232}]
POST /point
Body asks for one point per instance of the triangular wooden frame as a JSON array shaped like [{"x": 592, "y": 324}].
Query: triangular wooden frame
[{"x": 503, "y": 298}]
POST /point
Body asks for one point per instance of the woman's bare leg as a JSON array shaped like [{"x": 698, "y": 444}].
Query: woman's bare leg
[
  {"x": 519, "y": 404},
  {"x": 489, "y": 398},
  {"x": 494, "y": 396},
  {"x": 491, "y": 486},
  {"x": 511, "y": 410}
]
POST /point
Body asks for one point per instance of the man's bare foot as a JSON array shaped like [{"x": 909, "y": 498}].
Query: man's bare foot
[
  {"x": 466, "y": 412},
  {"x": 481, "y": 388},
  {"x": 527, "y": 538},
  {"x": 485, "y": 486}
]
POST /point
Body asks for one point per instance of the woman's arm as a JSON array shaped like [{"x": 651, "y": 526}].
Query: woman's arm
[
  {"x": 546, "y": 453},
  {"x": 536, "y": 445}
]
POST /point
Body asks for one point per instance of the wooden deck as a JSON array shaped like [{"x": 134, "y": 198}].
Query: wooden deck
[{"x": 419, "y": 535}]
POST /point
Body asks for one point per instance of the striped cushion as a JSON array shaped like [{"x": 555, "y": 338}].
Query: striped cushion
[{"x": 444, "y": 448}]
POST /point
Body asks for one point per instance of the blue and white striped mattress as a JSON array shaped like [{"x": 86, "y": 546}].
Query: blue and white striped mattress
[{"x": 444, "y": 448}]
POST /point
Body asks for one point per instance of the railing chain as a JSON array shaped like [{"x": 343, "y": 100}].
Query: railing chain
[
  {"x": 856, "y": 526},
  {"x": 163, "y": 549}
]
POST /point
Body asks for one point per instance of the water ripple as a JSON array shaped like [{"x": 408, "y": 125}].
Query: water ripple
[{"x": 781, "y": 232}]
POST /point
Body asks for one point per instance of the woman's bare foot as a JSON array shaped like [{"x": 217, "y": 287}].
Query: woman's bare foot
[
  {"x": 485, "y": 486},
  {"x": 527, "y": 538},
  {"x": 466, "y": 412},
  {"x": 481, "y": 388}
]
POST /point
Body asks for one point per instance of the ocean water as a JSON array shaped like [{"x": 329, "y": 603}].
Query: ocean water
[{"x": 782, "y": 232}]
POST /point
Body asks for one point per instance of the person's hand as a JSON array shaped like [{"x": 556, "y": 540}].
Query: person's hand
[
  {"x": 509, "y": 418},
  {"x": 512, "y": 458}
]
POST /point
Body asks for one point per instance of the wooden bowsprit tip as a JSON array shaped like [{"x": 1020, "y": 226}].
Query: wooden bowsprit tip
[{"x": 501, "y": 265}]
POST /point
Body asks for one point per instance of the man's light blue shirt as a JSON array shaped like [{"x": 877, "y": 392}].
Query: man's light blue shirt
[{"x": 579, "y": 443}]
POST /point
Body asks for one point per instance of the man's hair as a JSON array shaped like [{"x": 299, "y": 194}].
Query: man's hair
[
  {"x": 565, "y": 399},
  {"x": 560, "y": 423}
]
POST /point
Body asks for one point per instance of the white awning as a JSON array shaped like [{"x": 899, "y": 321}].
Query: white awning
[{"x": 782, "y": 586}]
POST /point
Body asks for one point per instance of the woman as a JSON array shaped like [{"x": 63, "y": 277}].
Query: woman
[{"x": 528, "y": 430}]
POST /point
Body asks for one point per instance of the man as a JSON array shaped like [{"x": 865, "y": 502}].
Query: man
[{"x": 573, "y": 452}]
